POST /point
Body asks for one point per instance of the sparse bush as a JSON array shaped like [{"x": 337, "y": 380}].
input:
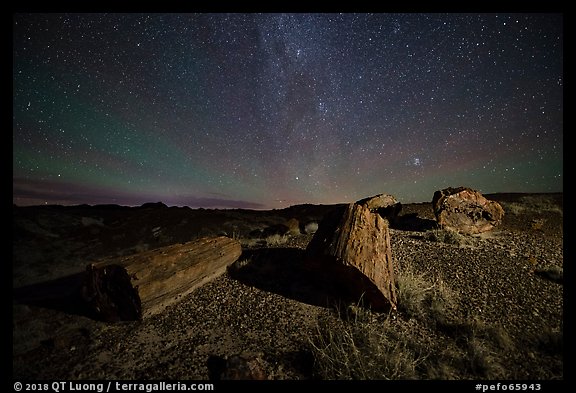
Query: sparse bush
[
  {"x": 362, "y": 348},
  {"x": 418, "y": 297},
  {"x": 445, "y": 236},
  {"x": 361, "y": 345},
  {"x": 513, "y": 208},
  {"x": 550, "y": 341},
  {"x": 541, "y": 203},
  {"x": 532, "y": 204},
  {"x": 412, "y": 290},
  {"x": 495, "y": 335},
  {"x": 276, "y": 240},
  {"x": 293, "y": 226},
  {"x": 482, "y": 360},
  {"x": 481, "y": 347},
  {"x": 248, "y": 242},
  {"x": 311, "y": 227}
]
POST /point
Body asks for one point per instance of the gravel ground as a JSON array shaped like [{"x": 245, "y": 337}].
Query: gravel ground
[{"x": 265, "y": 312}]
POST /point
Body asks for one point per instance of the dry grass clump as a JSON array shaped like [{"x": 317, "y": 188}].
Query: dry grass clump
[
  {"x": 359, "y": 347},
  {"x": 248, "y": 243},
  {"x": 532, "y": 204},
  {"x": 423, "y": 341},
  {"x": 270, "y": 241},
  {"x": 277, "y": 240},
  {"x": 311, "y": 227},
  {"x": 442, "y": 235},
  {"x": 551, "y": 341},
  {"x": 483, "y": 347},
  {"x": 418, "y": 297}
]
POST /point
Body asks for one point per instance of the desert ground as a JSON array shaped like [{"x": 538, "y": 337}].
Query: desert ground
[{"x": 478, "y": 307}]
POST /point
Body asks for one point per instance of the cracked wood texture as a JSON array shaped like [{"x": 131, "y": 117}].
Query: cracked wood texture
[
  {"x": 137, "y": 286},
  {"x": 466, "y": 210},
  {"x": 353, "y": 246}
]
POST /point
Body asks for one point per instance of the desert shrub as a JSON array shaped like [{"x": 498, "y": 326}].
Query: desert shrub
[
  {"x": 541, "y": 203},
  {"x": 550, "y": 341},
  {"x": 470, "y": 347},
  {"x": 445, "y": 236},
  {"x": 513, "y": 208},
  {"x": 412, "y": 290},
  {"x": 482, "y": 360},
  {"x": 475, "y": 329},
  {"x": 359, "y": 345},
  {"x": 532, "y": 204},
  {"x": 293, "y": 226},
  {"x": 424, "y": 340},
  {"x": 419, "y": 297},
  {"x": 362, "y": 347},
  {"x": 484, "y": 348},
  {"x": 276, "y": 240},
  {"x": 247, "y": 243},
  {"x": 311, "y": 227}
]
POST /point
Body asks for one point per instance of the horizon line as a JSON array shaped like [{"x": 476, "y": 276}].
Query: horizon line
[{"x": 216, "y": 207}]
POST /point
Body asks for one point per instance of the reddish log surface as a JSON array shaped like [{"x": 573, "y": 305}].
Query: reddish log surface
[
  {"x": 466, "y": 210},
  {"x": 353, "y": 246},
  {"x": 137, "y": 286}
]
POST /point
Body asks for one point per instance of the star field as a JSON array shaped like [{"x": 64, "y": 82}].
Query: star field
[{"x": 270, "y": 110}]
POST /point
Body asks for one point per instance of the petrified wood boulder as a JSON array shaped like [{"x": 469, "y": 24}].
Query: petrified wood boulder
[
  {"x": 384, "y": 204},
  {"x": 352, "y": 247},
  {"x": 466, "y": 210},
  {"x": 143, "y": 284}
]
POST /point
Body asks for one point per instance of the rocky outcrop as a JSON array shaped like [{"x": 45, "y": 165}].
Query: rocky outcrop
[
  {"x": 466, "y": 210},
  {"x": 352, "y": 245},
  {"x": 143, "y": 284}
]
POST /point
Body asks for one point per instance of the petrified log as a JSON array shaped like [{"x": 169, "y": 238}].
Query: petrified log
[
  {"x": 466, "y": 210},
  {"x": 352, "y": 246},
  {"x": 384, "y": 204},
  {"x": 143, "y": 284}
]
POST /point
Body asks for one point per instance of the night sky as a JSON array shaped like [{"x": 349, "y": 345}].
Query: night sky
[{"x": 266, "y": 111}]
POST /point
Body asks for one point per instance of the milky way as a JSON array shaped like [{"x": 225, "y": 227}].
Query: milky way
[{"x": 270, "y": 110}]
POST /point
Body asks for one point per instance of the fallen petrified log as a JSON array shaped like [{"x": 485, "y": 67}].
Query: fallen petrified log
[
  {"x": 352, "y": 246},
  {"x": 143, "y": 284},
  {"x": 466, "y": 210}
]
